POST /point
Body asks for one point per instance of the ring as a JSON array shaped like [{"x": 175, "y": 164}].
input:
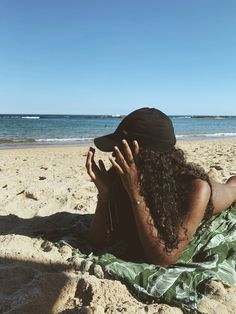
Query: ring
[{"x": 131, "y": 161}]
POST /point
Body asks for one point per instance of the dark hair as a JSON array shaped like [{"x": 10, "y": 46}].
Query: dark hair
[{"x": 164, "y": 179}]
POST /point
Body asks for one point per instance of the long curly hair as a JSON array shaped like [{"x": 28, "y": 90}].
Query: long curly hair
[{"x": 164, "y": 180}]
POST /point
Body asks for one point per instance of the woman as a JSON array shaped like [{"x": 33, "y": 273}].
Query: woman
[{"x": 152, "y": 199}]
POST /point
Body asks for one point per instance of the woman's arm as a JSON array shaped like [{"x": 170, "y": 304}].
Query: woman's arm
[
  {"x": 99, "y": 228},
  {"x": 100, "y": 177},
  {"x": 154, "y": 249},
  {"x": 223, "y": 194}
]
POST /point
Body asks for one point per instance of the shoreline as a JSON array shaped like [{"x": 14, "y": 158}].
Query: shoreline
[{"x": 35, "y": 145}]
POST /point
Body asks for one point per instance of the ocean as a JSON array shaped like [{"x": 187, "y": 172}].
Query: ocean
[{"x": 29, "y": 130}]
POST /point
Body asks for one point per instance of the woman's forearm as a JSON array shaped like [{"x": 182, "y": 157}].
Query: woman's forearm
[
  {"x": 99, "y": 228},
  {"x": 154, "y": 249}
]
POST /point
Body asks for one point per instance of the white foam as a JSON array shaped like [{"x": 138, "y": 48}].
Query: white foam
[
  {"x": 221, "y": 134},
  {"x": 30, "y": 117},
  {"x": 72, "y": 139},
  {"x": 206, "y": 135}
]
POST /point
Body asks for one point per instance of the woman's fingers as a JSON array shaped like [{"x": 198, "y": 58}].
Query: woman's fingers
[
  {"x": 92, "y": 168},
  {"x": 122, "y": 162},
  {"x": 128, "y": 152},
  {"x": 89, "y": 166},
  {"x": 116, "y": 166},
  {"x": 93, "y": 153},
  {"x": 94, "y": 165},
  {"x": 136, "y": 148},
  {"x": 89, "y": 158},
  {"x": 102, "y": 166}
]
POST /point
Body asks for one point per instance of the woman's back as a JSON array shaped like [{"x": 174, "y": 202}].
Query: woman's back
[
  {"x": 154, "y": 199},
  {"x": 122, "y": 219}
]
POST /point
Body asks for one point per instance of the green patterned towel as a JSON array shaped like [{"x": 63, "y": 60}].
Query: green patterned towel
[{"x": 211, "y": 255}]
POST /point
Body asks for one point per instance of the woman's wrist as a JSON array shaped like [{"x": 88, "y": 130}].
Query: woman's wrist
[
  {"x": 138, "y": 202},
  {"x": 137, "y": 199}
]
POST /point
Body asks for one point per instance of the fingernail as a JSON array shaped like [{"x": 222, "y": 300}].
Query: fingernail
[{"x": 115, "y": 147}]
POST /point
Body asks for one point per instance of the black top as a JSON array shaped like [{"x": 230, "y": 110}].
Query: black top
[{"x": 123, "y": 222}]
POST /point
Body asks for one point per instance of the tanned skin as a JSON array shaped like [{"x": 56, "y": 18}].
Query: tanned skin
[{"x": 223, "y": 195}]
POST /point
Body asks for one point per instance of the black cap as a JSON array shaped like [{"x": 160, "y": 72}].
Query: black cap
[{"x": 149, "y": 126}]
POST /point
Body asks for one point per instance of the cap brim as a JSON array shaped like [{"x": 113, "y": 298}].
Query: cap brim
[{"x": 106, "y": 143}]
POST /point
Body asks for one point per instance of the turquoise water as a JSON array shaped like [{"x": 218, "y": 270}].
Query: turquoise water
[{"x": 70, "y": 129}]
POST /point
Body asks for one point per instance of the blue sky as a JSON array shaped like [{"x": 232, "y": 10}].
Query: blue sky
[{"x": 110, "y": 57}]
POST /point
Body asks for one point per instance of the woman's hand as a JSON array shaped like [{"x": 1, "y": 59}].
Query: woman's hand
[
  {"x": 127, "y": 169},
  {"x": 98, "y": 174}
]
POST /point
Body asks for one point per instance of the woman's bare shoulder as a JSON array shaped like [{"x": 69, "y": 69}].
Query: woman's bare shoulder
[
  {"x": 200, "y": 188},
  {"x": 223, "y": 194},
  {"x": 197, "y": 202}
]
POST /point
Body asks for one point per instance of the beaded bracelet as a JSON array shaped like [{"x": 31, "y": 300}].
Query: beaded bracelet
[{"x": 139, "y": 202}]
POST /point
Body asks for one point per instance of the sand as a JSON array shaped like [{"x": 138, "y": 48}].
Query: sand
[{"x": 46, "y": 188}]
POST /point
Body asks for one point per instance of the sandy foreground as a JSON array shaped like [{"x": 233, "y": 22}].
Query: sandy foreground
[{"x": 35, "y": 276}]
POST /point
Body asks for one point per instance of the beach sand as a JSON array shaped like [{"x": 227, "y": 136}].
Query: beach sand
[{"x": 46, "y": 188}]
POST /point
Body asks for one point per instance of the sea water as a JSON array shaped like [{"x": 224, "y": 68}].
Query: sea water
[{"x": 78, "y": 129}]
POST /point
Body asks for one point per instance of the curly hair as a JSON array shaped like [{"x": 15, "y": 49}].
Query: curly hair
[{"x": 164, "y": 180}]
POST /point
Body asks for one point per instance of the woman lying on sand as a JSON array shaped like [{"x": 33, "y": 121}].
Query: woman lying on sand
[{"x": 151, "y": 199}]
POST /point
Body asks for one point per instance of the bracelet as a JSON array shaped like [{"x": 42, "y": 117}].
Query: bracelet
[{"x": 138, "y": 202}]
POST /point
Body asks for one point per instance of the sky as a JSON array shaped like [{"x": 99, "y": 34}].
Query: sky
[{"x": 114, "y": 56}]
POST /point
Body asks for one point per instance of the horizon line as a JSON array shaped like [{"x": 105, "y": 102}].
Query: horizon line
[{"x": 111, "y": 115}]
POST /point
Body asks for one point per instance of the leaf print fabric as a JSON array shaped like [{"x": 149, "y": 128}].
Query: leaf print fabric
[{"x": 211, "y": 255}]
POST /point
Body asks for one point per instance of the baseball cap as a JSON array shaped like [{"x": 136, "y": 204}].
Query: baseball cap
[{"x": 149, "y": 126}]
